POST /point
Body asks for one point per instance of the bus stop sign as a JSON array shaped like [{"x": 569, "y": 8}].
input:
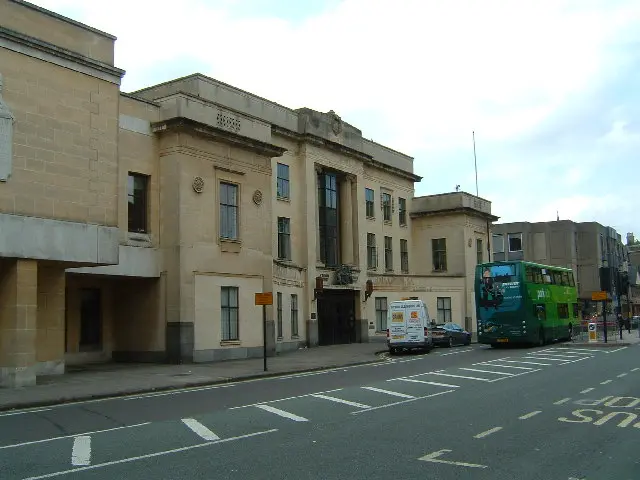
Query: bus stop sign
[{"x": 593, "y": 337}]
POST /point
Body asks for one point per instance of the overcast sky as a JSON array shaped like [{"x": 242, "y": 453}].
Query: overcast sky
[{"x": 551, "y": 87}]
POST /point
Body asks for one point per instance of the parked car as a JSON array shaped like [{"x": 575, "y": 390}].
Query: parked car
[{"x": 450, "y": 334}]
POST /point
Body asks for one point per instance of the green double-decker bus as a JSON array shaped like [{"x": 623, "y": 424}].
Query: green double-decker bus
[{"x": 524, "y": 303}]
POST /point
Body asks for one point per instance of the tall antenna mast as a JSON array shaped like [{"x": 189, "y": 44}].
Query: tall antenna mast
[{"x": 475, "y": 160}]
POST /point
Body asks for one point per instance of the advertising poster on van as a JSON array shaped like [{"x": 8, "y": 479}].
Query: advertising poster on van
[{"x": 397, "y": 329}]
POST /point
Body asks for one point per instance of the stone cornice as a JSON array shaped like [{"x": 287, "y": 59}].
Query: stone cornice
[
  {"x": 218, "y": 134},
  {"x": 450, "y": 211},
  {"x": 341, "y": 149},
  {"x": 62, "y": 57},
  {"x": 68, "y": 20}
]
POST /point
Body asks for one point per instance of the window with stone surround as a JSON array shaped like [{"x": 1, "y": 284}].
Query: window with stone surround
[
  {"x": 439, "y": 251},
  {"x": 229, "y": 313},
  {"x": 229, "y": 221},
  {"x": 404, "y": 255},
  {"x": 284, "y": 238},
  {"x": 137, "y": 202},
  {"x": 369, "y": 199},
  {"x": 282, "y": 181}
]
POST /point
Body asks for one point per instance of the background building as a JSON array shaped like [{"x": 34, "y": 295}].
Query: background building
[
  {"x": 451, "y": 234},
  {"x": 583, "y": 247}
]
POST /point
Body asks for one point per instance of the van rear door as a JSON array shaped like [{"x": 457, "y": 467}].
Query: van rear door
[
  {"x": 415, "y": 319},
  {"x": 397, "y": 325}
]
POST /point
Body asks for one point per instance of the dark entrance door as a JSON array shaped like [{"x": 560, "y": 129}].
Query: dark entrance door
[
  {"x": 336, "y": 317},
  {"x": 90, "y": 319}
]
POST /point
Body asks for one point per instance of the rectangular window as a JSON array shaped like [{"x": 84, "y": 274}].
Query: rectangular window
[
  {"x": 137, "y": 194},
  {"x": 381, "y": 314},
  {"x": 388, "y": 253},
  {"x": 565, "y": 279},
  {"x": 372, "y": 251},
  {"x": 294, "y": 315},
  {"x": 444, "y": 309},
  {"x": 386, "y": 207},
  {"x": 404, "y": 255},
  {"x": 369, "y": 199},
  {"x": 229, "y": 314},
  {"x": 284, "y": 238},
  {"x": 439, "y": 250},
  {"x": 479, "y": 253},
  {"x": 571, "y": 280},
  {"x": 515, "y": 242},
  {"x": 279, "y": 314},
  {"x": 498, "y": 243},
  {"x": 229, "y": 211},
  {"x": 529, "y": 274},
  {"x": 402, "y": 211},
  {"x": 328, "y": 218},
  {"x": 563, "y": 310},
  {"x": 282, "y": 186}
]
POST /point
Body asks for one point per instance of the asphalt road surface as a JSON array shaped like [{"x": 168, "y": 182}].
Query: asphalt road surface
[{"x": 462, "y": 413}]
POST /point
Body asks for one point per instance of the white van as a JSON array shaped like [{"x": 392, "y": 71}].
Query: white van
[{"x": 409, "y": 325}]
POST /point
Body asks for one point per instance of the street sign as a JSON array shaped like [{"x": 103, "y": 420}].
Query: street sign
[
  {"x": 593, "y": 336},
  {"x": 596, "y": 296},
  {"x": 264, "y": 298}
]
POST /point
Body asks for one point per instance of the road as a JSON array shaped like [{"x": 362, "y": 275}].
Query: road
[{"x": 462, "y": 413}]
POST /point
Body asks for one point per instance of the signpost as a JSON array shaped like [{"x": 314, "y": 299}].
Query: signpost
[
  {"x": 264, "y": 299},
  {"x": 593, "y": 337},
  {"x": 597, "y": 296}
]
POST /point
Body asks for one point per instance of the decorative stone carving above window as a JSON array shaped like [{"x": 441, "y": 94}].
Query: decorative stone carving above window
[
  {"x": 198, "y": 185},
  {"x": 228, "y": 122},
  {"x": 6, "y": 138}
]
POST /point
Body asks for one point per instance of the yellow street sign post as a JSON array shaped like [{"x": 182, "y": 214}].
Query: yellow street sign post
[{"x": 264, "y": 299}]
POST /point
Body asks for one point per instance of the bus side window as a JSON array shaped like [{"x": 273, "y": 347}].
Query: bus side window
[
  {"x": 537, "y": 275},
  {"x": 557, "y": 278},
  {"x": 529, "y": 274},
  {"x": 565, "y": 279},
  {"x": 571, "y": 281}
]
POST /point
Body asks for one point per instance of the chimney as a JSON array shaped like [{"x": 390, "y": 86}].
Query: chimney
[{"x": 630, "y": 239}]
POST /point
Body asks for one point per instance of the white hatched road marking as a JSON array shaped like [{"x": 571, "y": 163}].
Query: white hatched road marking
[
  {"x": 605, "y": 382},
  {"x": 282, "y": 413},
  {"x": 529, "y": 415},
  {"x": 200, "y": 430},
  {"x": 389, "y": 392},
  {"x": 436, "y": 384},
  {"x": 635, "y": 369},
  {"x": 560, "y": 355},
  {"x": 488, "y": 371},
  {"x": 587, "y": 390},
  {"x": 617, "y": 350},
  {"x": 21, "y": 444},
  {"x": 150, "y": 455},
  {"x": 401, "y": 402},
  {"x": 488, "y": 432},
  {"x": 490, "y": 364},
  {"x": 539, "y": 357},
  {"x": 528, "y": 363},
  {"x": 340, "y": 400},
  {"x": 560, "y": 402},
  {"x": 588, "y": 353},
  {"x": 81, "y": 452},
  {"x": 622, "y": 375},
  {"x": 458, "y": 376}
]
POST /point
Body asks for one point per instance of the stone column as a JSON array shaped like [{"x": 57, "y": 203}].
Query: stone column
[
  {"x": 346, "y": 220},
  {"x": 18, "y": 322}
]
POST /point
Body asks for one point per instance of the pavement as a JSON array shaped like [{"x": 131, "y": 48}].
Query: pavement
[
  {"x": 115, "y": 379},
  {"x": 553, "y": 412}
]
